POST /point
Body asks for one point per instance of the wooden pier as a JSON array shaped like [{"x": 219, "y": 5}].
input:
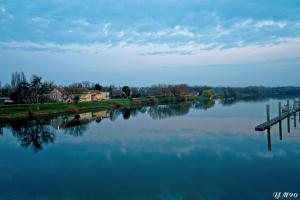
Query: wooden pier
[{"x": 286, "y": 111}]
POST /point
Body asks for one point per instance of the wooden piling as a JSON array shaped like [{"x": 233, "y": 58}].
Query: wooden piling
[
  {"x": 295, "y": 118},
  {"x": 283, "y": 112},
  {"x": 268, "y": 113},
  {"x": 280, "y": 122},
  {"x": 269, "y": 140},
  {"x": 288, "y": 118},
  {"x": 299, "y": 108}
]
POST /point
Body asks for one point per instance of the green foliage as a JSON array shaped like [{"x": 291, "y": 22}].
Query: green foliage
[
  {"x": 208, "y": 93},
  {"x": 76, "y": 100},
  {"x": 126, "y": 90},
  {"x": 23, "y": 109},
  {"x": 98, "y": 87}
]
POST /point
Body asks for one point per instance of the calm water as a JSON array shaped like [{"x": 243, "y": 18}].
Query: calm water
[{"x": 199, "y": 151}]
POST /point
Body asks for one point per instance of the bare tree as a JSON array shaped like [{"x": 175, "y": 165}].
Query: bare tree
[
  {"x": 36, "y": 85},
  {"x": 16, "y": 79}
]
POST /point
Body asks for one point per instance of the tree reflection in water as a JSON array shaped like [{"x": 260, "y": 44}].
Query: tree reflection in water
[
  {"x": 33, "y": 133},
  {"x": 161, "y": 111},
  {"x": 37, "y": 133},
  {"x": 76, "y": 127},
  {"x": 205, "y": 104},
  {"x": 165, "y": 111},
  {"x": 1, "y": 130}
]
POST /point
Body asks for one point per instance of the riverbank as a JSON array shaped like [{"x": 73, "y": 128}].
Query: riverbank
[{"x": 23, "y": 111}]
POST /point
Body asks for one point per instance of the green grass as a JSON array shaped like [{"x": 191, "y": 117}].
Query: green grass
[{"x": 27, "y": 109}]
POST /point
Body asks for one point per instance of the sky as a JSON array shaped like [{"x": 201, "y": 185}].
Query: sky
[{"x": 142, "y": 42}]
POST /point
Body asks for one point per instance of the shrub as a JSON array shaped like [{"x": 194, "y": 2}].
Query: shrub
[{"x": 153, "y": 101}]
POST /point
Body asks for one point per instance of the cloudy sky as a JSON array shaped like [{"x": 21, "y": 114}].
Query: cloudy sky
[{"x": 142, "y": 42}]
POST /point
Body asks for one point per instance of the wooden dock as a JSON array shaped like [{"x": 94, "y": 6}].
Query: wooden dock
[{"x": 283, "y": 112}]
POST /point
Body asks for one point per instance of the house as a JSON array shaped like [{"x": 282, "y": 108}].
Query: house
[
  {"x": 57, "y": 95},
  {"x": 117, "y": 93},
  {"x": 5, "y": 100},
  {"x": 98, "y": 95},
  {"x": 84, "y": 95}
]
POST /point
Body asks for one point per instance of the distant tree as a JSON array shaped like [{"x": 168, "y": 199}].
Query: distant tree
[
  {"x": 160, "y": 90},
  {"x": 126, "y": 90},
  {"x": 76, "y": 85},
  {"x": 22, "y": 93},
  {"x": 135, "y": 92},
  {"x": 98, "y": 87},
  {"x": 76, "y": 100},
  {"x": 230, "y": 93},
  {"x": 87, "y": 84},
  {"x": 180, "y": 90},
  {"x": 36, "y": 87},
  {"x": 6, "y": 90},
  {"x": 16, "y": 79},
  {"x": 75, "y": 88},
  {"x": 208, "y": 93},
  {"x": 46, "y": 87},
  {"x": 116, "y": 93}
]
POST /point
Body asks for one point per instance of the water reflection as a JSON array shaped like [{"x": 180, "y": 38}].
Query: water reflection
[
  {"x": 232, "y": 101},
  {"x": 33, "y": 133},
  {"x": 280, "y": 136},
  {"x": 39, "y": 132},
  {"x": 1, "y": 129},
  {"x": 165, "y": 111},
  {"x": 199, "y": 155}
]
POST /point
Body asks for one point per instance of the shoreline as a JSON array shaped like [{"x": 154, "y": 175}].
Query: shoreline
[{"x": 10, "y": 113}]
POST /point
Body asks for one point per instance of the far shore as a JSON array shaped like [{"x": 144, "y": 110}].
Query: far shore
[{"x": 25, "y": 111}]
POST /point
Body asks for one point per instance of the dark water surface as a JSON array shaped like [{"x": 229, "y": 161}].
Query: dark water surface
[{"x": 185, "y": 151}]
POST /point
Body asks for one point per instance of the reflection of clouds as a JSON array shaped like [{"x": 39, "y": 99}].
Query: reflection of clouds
[
  {"x": 197, "y": 132},
  {"x": 175, "y": 142},
  {"x": 206, "y": 192},
  {"x": 275, "y": 153}
]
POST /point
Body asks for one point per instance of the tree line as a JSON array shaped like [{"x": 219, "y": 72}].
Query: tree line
[{"x": 36, "y": 90}]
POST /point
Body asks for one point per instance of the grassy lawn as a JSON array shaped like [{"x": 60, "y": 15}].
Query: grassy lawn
[{"x": 106, "y": 104}]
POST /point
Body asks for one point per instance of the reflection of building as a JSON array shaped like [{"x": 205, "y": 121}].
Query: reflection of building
[
  {"x": 67, "y": 121},
  {"x": 60, "y": 95},
  {"x": 101, "y": 114}
]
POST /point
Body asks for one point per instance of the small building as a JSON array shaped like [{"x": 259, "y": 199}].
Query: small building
[
  {"x": 57, "y": 95},
  {"x": 60, "y": 95},
  {"x": 5, "y": 100},
  {"x": 98, "y": 95}
]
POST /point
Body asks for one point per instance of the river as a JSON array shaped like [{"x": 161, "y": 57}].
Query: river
[{"x": 180, "y": 151}]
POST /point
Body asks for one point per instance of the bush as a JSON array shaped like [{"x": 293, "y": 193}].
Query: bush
[
  {"x": 153, "y": 101},
  {"x": 208, "y": 93},
  {"x": 117, "y": 104}
]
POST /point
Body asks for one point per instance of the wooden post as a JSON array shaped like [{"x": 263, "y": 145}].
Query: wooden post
[
  {"x": 269, "y": 129},
  {"x": 279, "y": 109},
  {"x": 295, "y": 116},
  {"x": 288, "y": 124},
  {"x": 269, "y": 140},
  {"x": 288, "y": 118},
  {"x": 299, "y": 108},
  {"x": 268, "y": 113},
  {"x": 280, "y": 123}
]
